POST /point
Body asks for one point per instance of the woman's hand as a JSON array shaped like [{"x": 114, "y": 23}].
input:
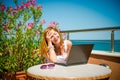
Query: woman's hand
[{"x": 49, "y": 37}]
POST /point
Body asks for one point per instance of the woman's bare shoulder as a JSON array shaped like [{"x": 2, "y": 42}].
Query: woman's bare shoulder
[{"x": 69, "y": 42}]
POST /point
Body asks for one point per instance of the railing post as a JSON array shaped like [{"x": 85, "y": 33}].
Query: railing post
[
  {"x": 112, "y": 41},
  {"x": 68, "y": 35}
]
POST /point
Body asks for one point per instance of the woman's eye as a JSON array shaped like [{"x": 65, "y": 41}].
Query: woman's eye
[
  {"x": 51, "y": 37},
  {"x": 55, "y": 33}
]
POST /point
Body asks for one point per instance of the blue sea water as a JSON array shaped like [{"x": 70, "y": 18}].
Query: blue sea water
[{"x": 104, "y": 45}]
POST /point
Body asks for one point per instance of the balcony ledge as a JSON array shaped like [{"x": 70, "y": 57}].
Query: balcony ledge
[{"x": 106, "y": 53}]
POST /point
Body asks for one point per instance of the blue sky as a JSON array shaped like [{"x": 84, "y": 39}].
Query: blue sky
[{"x": 82, "y": 14}]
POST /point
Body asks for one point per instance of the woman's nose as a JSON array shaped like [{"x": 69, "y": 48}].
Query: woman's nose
[{"x": 55, "y": 36}]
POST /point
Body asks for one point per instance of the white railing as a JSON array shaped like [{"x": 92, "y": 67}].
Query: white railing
[{"x": 112, "y": 29}]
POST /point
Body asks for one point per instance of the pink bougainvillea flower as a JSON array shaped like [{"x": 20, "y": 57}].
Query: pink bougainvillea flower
[
  {"x": 15, "y": 10},
  {"x": 8, "y": 30},
  {"x": 27, "y": 4},
  {"x": 53, "y": 24},
  {"x": 3, "y": 7},
  {"x": 42, "y": 21},
  {"x": 39, "y": 7},
  {"x": 39, "y": 55},
  {"x": 37, "y": 32},
  {"x": 22, "y": 7},
  {"x": 11, "y": 8},
  {"x": 6, "y": 27},
  {"x": 18, "y": 7},
  {"x": 33, "y": 2},
  {"x": 34, "y": 52},
  {"x": 30, "y": 25},
  {"x": 22, "y": 3}
]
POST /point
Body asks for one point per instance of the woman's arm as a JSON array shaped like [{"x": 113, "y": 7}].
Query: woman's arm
[
  {"x": 69, "y": 46},
  {"x": 51, "y": 53}
]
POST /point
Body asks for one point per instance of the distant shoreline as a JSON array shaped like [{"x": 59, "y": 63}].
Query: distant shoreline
[
  {"x": 104, "y": 45},
  {"x": 94, "y": 40}
]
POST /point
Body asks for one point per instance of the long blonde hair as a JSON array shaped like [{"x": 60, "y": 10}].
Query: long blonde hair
[{"x": 44, "y": 44}]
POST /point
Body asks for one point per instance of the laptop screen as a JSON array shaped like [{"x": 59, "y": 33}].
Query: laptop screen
[{"x": 79, "y": 53}]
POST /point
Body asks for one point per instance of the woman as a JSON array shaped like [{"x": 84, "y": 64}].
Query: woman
[{"x": 53, "y": 47}]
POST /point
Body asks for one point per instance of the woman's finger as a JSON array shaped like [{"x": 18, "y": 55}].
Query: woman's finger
[{"x": 50, "y": 34}]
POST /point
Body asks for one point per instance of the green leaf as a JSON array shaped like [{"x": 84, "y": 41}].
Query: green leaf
[{"x": 16, "y": 2}]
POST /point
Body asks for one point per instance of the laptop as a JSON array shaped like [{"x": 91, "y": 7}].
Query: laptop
[{"x": 79, "y": 54}]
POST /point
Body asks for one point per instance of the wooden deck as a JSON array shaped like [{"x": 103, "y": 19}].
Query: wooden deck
[{"x": 111, "y": 59}]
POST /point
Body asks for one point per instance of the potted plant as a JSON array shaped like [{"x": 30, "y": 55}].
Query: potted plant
[{"x": 20, "y": 36}]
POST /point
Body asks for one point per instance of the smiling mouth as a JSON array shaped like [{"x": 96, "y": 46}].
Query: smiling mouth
[{"x": 57, "y": 39}]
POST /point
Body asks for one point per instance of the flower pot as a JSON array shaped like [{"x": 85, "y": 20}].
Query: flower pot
[
  {"x": 8, "y": 76},
  {"x": 21, "y": 75},
  {"x": 14, "y": 76}
]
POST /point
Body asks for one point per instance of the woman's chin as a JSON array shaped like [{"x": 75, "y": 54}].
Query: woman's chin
[{"x": 57, "y": 42}]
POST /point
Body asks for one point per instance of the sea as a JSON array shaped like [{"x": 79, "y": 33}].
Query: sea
[{"x": 103, "y": 45}]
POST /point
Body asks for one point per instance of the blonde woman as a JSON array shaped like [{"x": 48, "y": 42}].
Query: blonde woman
[{"x": 53, "y": 47}]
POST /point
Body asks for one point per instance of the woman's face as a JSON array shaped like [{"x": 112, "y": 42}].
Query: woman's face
[{"x": 55, "y": 38}]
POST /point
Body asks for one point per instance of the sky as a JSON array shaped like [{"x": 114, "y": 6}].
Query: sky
[{"x": 82, "y": 14}]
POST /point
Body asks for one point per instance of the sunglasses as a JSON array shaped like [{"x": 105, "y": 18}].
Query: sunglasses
[{"x": 47, "y": 66}]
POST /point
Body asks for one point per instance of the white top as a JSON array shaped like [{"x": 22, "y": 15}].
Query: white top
[
  {"x": 82, "y": 71},
  {"x": 61, "y": 58}
]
